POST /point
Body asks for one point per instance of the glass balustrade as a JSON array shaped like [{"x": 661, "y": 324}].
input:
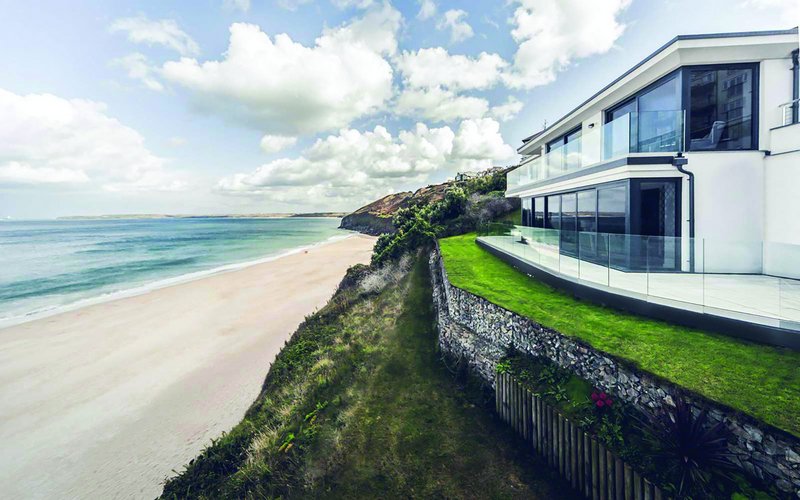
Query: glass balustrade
[
  {"x": 638, "y": 132},
  {"x": 741, "y": 280}
]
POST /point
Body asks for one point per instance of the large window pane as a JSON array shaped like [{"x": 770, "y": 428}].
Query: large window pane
[
  {"x": 569, "y": 225},
  {"x": 587, "y": 224},
  {"x": 538, "y": 212},
  {"x": 527, "y": 205},
  {"x": 553, "y": 212},
  {"x": 612, "y": 209},
  {"x": 721, "y": 109},
  {"x": 659, "y": 118}
]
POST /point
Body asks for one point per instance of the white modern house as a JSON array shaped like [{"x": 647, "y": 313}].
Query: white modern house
[{"x": 678, "y": 183}]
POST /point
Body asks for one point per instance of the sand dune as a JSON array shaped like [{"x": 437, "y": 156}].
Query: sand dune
[{"x": 104, "y": 401}]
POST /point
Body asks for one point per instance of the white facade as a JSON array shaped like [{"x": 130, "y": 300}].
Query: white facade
[{"x": 746, "y": 202}]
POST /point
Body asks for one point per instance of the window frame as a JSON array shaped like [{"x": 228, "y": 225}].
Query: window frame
[
  {"x": 562, "y": 139},
  {"x": 686, "y": 102}
]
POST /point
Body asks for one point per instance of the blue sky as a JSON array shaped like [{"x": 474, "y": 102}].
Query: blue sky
[{"x": 200, "y": 107}]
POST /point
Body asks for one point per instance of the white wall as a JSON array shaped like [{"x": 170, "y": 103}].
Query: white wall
[
  {"x": 729, "y": 210},
  {"x": 782, "y": 214}
]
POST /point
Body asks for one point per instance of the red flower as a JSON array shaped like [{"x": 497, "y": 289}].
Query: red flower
[
  {"x": 603, "y": 395},
  {"x": 600, "y": 403},
  {"x": 595, "y": 396}
]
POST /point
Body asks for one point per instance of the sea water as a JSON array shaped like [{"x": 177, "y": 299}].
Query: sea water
[{"x": 51, "y": 266}]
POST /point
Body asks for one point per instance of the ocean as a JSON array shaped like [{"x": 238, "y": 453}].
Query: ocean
[{"x": 51, "y": 266}]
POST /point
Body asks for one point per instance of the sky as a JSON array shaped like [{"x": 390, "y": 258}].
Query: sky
[{"x": 250, "y": 106}]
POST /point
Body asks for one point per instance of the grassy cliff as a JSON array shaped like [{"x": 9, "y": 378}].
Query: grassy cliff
[{"x": 358, "y": 405}]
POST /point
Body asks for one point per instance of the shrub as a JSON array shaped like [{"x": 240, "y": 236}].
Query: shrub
[{"x": 691, "y": 449}]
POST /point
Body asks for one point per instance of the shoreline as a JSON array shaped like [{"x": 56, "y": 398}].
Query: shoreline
[
  {"x": 108, "y": 400},
  {"x": 136, "y": 290}
]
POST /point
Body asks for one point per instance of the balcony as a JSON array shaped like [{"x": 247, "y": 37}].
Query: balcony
[
  {"x": 756, "y": 282},
  {"x": 638, "y": 132}
]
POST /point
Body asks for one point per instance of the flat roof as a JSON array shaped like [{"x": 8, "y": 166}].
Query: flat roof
[{"x": 791, "y": 31}]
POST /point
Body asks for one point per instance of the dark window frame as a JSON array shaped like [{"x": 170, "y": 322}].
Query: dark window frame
[
  {"x": 562, "y": 139},
  {"x": 686, "y": 101}
]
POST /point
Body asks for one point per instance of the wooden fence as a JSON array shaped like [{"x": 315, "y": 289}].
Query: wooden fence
[{"x": 579, "y": 458}]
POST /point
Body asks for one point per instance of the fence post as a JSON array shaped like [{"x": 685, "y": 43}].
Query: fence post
[
  {"x": 587, "y": 466},
  {"x": 637, "y": 486},
  {"x": 619, "y": 480},
  {"x": 657, "y": 495},
  {"x": 610, "y": 474},
  {"x": 595, "y": 472},
  {"x": 601, "y": 472},
  {"x": 496, "y": 392},
  {"x": 561, "y": 444},
  {"x": 526, "y": 415},
  {"x": 628, "y": 482},
  {"x": 648, "y": 490}
]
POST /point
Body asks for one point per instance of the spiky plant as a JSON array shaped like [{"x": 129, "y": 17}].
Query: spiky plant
[{"x": 692, "y": 449}]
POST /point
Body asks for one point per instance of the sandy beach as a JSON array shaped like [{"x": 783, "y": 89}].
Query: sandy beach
[{"x": 105, "y": 401}]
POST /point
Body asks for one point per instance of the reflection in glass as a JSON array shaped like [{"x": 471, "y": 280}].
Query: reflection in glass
[{"x": 721, "y": 109}]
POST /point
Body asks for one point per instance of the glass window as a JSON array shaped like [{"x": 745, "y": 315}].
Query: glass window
[
  {"x": 612, "y": 209},
  {"x": 587, "y": 211},
  {"x": 618, "y": 133},
  {"x": 538, "y": 212},
  {"x": 553, "y": 212},
  {"x": 569, "y": 225},
  {"x": 526, "y": 211},
  {"x": 721, "y": 109},
  {"x": 659, "y": 118}
]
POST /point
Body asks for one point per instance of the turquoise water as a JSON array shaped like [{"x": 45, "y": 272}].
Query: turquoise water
[{"x": 46, "y": 266}]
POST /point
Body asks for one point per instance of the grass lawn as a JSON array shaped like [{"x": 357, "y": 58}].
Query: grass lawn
[
  {"x": 759, "y": 380},
  {"x": 359, "y": 405}
]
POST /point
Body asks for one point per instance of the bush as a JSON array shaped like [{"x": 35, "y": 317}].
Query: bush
[{"x": 462, "y": 209}]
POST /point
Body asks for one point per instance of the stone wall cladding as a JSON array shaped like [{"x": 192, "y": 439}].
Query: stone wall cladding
[{"x": 480, "y": 333}]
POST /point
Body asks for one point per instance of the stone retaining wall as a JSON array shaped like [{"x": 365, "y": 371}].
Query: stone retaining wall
[{"x": 480, "y": 333}]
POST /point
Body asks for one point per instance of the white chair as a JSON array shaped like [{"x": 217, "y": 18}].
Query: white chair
[{"x": 712, "y": 139}]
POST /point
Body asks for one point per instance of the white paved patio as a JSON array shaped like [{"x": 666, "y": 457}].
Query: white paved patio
[{"x": 756, "y": 298}]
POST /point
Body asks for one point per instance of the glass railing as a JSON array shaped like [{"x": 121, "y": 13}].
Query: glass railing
[
  {"x": 742, "y": 280},
  {"x": 641, "y": 132}
]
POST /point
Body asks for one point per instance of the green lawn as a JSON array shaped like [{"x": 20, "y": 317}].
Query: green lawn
[{"x": 760, "y": 380}]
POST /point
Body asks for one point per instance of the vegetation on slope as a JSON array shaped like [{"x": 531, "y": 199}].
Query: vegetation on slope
[
  {"x": 759, "y": 380},
  {"x": 358, "y": 405}
]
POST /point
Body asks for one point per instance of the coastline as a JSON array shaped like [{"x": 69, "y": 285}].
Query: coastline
[
  {"x": 140, "y": 289},
  {"x": 109, "y": 399}
]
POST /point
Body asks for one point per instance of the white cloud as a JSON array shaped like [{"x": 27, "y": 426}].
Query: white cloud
[
  {"x": 138, "y": 67},
  {"x": 164, "y": 32},
  {"x": 283, "y": 87},
  {"x": 453, "y": 20},
  {"x": 508, "y": 110},
  {"x": 552, "y": 33},
  {"x": 481, "y": 139},
  {"x": 177, "y": 141},
  {"x": 435, "y": 67},
  {"x": 48, "y": 139},
  {"x": 242, "y": 5},
  {"x": 439, "y": 105},
  {"x": 354, "y": 167},
  {"x": 358, "y": 4},
  {"x": 427, "y": 9},
  {"x": 274, "y": 143}
]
